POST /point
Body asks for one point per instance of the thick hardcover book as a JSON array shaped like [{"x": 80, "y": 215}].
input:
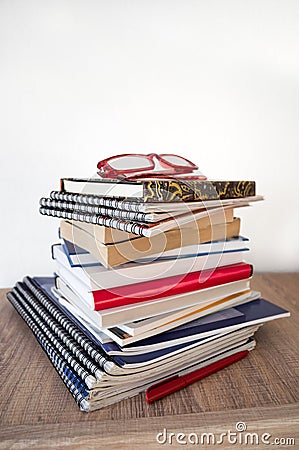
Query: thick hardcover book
[
  {"x": 169, "y": 287},
  {"x": 160, "y": 190},
  {"x": 110, "y": 255}
]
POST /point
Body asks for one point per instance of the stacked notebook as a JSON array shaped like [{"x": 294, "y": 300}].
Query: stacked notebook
[{"x": 151, "y": 283}]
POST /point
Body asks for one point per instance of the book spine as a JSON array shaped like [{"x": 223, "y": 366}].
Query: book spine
[
  {"x": 88, "y": 199},
  {"x": 118, "y": 224},
  {"x": 167, "y": 287},
  {"x": 74, "y": 384},
  {"x": 95, "y": 353},
  {"x": 94, "y": 209}
]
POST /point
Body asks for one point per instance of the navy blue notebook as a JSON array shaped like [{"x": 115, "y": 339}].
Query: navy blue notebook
[{"x": 256, "y": 310}]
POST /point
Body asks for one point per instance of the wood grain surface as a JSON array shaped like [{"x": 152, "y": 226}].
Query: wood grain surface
[{"x": 262, "y": 390}]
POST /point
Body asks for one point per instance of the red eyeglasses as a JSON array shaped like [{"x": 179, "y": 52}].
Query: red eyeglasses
[{"x": 136, "y": 165}]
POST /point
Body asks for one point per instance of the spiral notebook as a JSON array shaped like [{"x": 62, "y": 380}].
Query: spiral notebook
[
  {"x": 74, "y": 357},
  {"x": 197, "y": 219},
  {"x": 83, "y": 396}
]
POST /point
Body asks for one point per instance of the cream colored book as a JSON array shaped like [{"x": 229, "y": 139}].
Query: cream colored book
[{"x": 111, "y": 255}]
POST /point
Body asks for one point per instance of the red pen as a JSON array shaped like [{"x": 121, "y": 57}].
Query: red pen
[{"x": 177, "y": 382}]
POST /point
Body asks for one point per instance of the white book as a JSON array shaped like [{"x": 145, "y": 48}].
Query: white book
[{"x": 239, "y": 243}]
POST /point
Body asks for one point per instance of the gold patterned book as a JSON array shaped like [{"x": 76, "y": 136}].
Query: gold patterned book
[{"x": 165, "y": 190}]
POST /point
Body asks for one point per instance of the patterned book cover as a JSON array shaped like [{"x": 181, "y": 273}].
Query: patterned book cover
[
  {"x": 193, "y": 190},
  {"x": 163, "y": 190}
]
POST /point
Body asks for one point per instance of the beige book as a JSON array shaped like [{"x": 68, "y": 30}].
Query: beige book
[
  {"x": 111, "y": 255},
  {"x": 108, "y": 235}
]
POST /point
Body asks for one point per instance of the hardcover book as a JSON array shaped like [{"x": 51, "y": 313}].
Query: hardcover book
[{"x": 160, "y": 190}]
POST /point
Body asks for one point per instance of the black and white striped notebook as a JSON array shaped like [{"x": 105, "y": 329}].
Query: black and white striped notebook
[
  {"x": 142, "y": 207},
  {"x": 96, "y": 219},
  {"x": 100, "y": 210},
  {"x": 61, "y": 326},
  {"x": 143, "y": 229},
  {"x": 76, "y": 386},
  {"x": 95, "y": 200}
]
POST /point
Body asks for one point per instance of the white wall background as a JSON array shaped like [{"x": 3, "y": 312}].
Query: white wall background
[{"x": 216, "y": 81}]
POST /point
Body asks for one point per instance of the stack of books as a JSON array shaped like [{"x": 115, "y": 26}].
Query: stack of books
[{"x": 151, "y": 289}]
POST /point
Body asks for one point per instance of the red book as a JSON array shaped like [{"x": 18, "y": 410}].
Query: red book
[{"x": 171, "y": 286}]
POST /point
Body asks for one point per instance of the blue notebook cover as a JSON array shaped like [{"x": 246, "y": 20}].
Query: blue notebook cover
[
  {"x": 260, "y": 309},
  {"x": 73, "y": 249}
]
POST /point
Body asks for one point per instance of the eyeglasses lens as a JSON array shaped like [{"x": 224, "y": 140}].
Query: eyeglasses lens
[
  {"x": 130, "y": 163},
  {"x": 173, "y": 159}
]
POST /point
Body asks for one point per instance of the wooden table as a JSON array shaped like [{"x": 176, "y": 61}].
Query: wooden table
[{"x": 262, "y": 391}]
